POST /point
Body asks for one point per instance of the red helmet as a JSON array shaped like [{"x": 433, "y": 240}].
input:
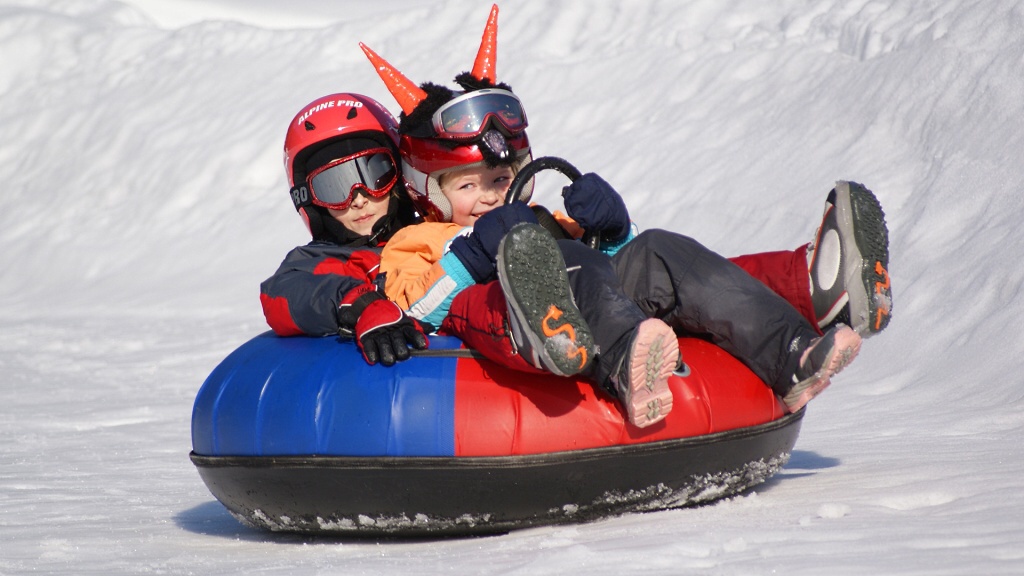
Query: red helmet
[
  {"x": 337, "y": 119},
  {"x": 424, "y": 160}
]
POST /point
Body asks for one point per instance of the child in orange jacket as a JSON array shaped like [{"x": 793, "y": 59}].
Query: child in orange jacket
[{"x": 459, "y": 153}]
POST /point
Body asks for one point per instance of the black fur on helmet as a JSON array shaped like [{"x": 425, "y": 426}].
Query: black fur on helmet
[
  {"x": 418, "y": 124},
  {"x": 470, "y": 83}
]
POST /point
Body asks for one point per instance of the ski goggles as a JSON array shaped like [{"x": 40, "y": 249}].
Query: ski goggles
[
  {"x": 468, "y": 116},
  {"x": 335, "y": 184}
]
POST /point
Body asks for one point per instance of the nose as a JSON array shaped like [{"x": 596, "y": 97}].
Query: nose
[
  {"x": 493, "y": 195},
  {"x": 359, "y": 198}
]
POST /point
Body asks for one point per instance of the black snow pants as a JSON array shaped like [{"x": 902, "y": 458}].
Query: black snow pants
[{"x": 697, "y": 292}]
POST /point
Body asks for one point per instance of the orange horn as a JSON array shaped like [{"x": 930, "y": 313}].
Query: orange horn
[
  {"x": 487, "y": 57},
  {"x": 405, "y": 92}
]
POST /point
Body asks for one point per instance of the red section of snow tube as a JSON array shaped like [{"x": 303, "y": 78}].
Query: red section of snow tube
[{"x": 530, "y": 414}]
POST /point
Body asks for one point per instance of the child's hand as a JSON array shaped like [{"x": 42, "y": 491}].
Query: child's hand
[
  {"x": 478, "y": 250},
  {"x": 597, "y": 207},
  {"x": 382, "y": 330}
]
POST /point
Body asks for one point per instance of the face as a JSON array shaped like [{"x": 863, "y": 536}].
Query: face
[
  {"x": 362, "y": 213},
  {"x": 475, "y": 191}
]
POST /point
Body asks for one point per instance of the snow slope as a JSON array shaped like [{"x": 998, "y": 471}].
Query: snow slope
[{"x": 145, "y": 201}]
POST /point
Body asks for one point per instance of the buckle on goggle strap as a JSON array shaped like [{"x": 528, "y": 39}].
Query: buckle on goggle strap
[
  {"x": 335, "y": 184},
  {"x": 468, "y": 116}
]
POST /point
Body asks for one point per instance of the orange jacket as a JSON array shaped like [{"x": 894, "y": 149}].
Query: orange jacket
[{"x": 421, "y": 275}]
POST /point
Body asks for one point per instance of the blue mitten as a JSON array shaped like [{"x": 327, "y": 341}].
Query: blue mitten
[
  {"x": 597, "y": 207},
  {"x": 477, "y": 250}
]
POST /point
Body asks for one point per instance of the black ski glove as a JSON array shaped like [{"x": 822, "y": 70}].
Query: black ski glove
[{"x": 381, "y": 329}]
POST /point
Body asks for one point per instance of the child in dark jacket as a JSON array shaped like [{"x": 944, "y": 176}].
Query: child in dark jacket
[{"x": 340, "y": 158}]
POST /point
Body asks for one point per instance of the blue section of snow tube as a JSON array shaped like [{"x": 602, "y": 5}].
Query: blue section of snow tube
[{"x": 318, "y": 396}]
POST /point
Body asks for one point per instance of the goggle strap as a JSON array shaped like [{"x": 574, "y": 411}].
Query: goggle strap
[{"x": 300, "y": 197}]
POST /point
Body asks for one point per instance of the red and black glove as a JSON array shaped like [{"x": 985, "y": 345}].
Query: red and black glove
[{"x": 383, "y": 331}]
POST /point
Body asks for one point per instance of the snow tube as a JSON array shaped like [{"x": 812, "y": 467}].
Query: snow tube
[{"x": 300, "y": 434}]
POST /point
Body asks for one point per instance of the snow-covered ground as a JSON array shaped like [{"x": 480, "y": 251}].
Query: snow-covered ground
[{"x": 144, "y": 202}]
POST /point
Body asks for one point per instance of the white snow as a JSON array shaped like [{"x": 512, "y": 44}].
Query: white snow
[{"x": 145, "y": 200}]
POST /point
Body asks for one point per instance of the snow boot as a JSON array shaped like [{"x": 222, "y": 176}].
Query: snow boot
[
  {"x": 848, "y": 262},
  {"x": 548, "y": 330},
  {"x": 824, "y": 358},
  {"x": 643, "y": 363}
]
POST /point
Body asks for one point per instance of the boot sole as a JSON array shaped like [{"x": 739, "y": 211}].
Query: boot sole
[
  {"x": 867, "y": 282},
  {"x": 536, "y": 286},
  {"x": 653, "y": 355}
]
